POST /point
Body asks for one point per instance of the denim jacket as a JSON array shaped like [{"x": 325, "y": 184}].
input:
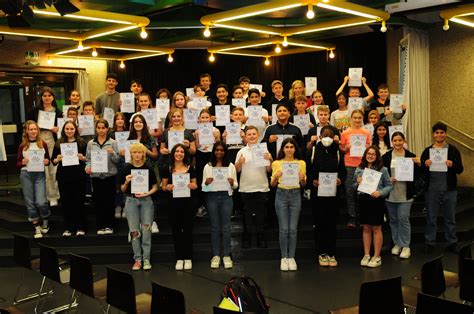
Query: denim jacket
[
  {"x": 385, "y": 185},
  {"x": 112, "y": 158}
]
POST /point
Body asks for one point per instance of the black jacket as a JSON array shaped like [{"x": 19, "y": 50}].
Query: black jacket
[{"x": 455, "y": 156}]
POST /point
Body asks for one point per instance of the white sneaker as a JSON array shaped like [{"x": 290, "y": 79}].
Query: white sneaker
[
  {"x": 375, "y": 261},
  {"x": 228, "y": 263},
  {"x": 396, "y": 250},
  {"x": 406, "y": 252},
  {"x": 124, "y": 214},
  {"x": 215, "y": 261},
  {"x": 154, "y": 228},
  {"x": 38, "y": 234},
  {"x": 188, "y": 264},
  {"x": 365, "y": 260},
  {"x": 101, "y": 231},
  {"x": 146, "y": 264},
  {"x": 80, "y": 233},
  {"x": 67, "y": 233},
  {"x": 179, "y": 264},
  {"x": 201, "y": 211},
  {"x": 284, "y": 264},
  {"x": 53, "y": 203},
  {"x": 118, "y": 211},
  {"x": 292, "y": 264},
  {"x": 108, "y": 231},
  {"x": 45, "y": 226}
]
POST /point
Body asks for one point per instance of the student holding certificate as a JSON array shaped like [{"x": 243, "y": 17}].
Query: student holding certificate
[
  {"x": 181, "y": 210},
  {"x": 352, "y": 162},
  {"x": 33, "y": 183},
  {"x": 354, "y": 91},
  {"x": 317, "y": 100},
  {"x": 47, "y": 112},
  {"x": 372, "y": 206},
  {"x": 71, "y": 181},
  {"x": 203, "y": 155},
  {"x": 326, "y": 173},
  {"x": 119, "y": 126},
  {"x": 381, "y": 138},
  {"x": 277, "y": 98},
  {"x": 340, "y": 118},
  {"x": 144, "y": 102},
  {"x": 103, "y": 183},
  {"x": 196, "y": 103},
  {"x": 180, "y": 101},
  {"x": 314, "y": 132},
  {"x": 297, "y": 89},
  {"x": 382, "y": 105},
  {"x": 300, "y": 104},
  {"x": 441, "y": 190},
  {"x": 139, "y": 205},
  {"x": 254, "y": 100},
  {"x": 288, "y": 176},
  {"x": 401, "y": 197},
  {"x": 139, "y": 131},
  {"x": 218, "y": 180},
  {"x": 222, "y": 93}
]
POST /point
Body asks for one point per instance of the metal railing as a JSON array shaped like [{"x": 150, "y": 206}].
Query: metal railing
[{"x": 457, "y": 139}]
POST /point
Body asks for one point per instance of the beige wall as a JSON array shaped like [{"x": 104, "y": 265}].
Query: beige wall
[
  {"x": 12, "y": 52},
  {"x": 451, "y": 84}
]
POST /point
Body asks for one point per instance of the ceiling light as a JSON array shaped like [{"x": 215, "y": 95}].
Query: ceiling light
[
  {"x": 143, "y": 33},
  {"x": 446, "y": 25},
  {"x": 267, "y": 61},
  {"x": 248, "y": 29},
  {"x": 349, "y": 11},
  {"x": 212, "y": 58},
  {"x": 94, "y": 52},
  {"x": 331, "y": 54},
  {"x": 285, "y": 42},
  {"x": 207, "y": 31},
  {"x": 170, "y": 58},
  {"x": 50, "y": 61},
  {"x": 383, "y": 29},
  {"x": 310, "y": 14},
  {"x": 80, "y": 47},
  {"x": 277, "y": 49},
  {"x": 122, "y": 65},
  {"x": 257, "y": 12}
]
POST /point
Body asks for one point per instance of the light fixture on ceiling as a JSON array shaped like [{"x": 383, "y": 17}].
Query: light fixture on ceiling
[
  {"x": 277, "y": 49},
  {"x": 170, "y": 58},
  {"x": 143, "y": 33},
  {"x": 285, "y": 42},
  {"x": 446, "y": 25},
  {"x": 383, "y": 29},
  {"x": 310, "y": 14},
  {"x": 50, "y": 61},
  {"x": 94, "y": 52},
  {"x": 331, "y": 54},
  {"x": 80, "y": 47},
  {"x": 267, "y": 61},
  {"x": 207, "y": 31},
  {"x": 122, "y": 64},
  {"x": 212, "y": 58}
]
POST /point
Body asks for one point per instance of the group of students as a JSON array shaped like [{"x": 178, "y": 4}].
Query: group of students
[{"x": 269, "y": 167}]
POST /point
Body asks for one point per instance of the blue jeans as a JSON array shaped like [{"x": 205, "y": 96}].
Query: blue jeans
[
  {"x": 447, "y": 201},
  {"x": 34, "y": 192},
  {"x": 399, "y": 214},
  {"x": 219, "y": 208},
  {"x": 140, "y": 212},
  {"x": 288, "y": 208}
]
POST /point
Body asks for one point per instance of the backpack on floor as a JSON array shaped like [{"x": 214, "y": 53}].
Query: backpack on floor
[{"x": 246, "y": 290}]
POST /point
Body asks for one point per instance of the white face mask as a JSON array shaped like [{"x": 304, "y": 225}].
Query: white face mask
[{"x": 327, "y": 141}]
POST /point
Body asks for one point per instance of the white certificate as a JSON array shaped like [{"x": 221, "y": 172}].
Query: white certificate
[
  {"x": 290, "y": 174},
  {"x": 255, "y": 116},
  {"x": 404, "y": 169},
  {"x": 370, "y": 181},
  {"x": 151, "y": 118},
  {"x": 239, "y": 102},
  {"x": 200, "y": 103},
  {"x": 274, "y": 113},
  {"x": 394, "y": 128},
  {"x": 190, "y": 92},
  {"x": 128, "y": 102},
  {"x": 139, "y": 181},
  {"x": 175, "y": 137},
  {"x": 355, "y": 103},
  {"x": 327, "y": 184},
  {"x": 222, "y": 114},
  {"x": 127, "y": 149},
  {"x": 396, "y": 103},
  {"x": 121, "y": 138},
  {"x": 191, "y": 118},
  {"x": 220, "y": 176},
  {"x": 46, "y": 119},
  {"x": 302, "y": 121},
  {"x": 86, "y": 124},
  {"x": 370, "y": 127},
  {"x": 35, "y": 160},
  {"x": 280, "y": 139},
  {"x": 311, "y": 84},
  {"x": 258, "y": 150},
  {"x": 233, "y": 133},
  {"x": 162, "y": 108},
  {"x": 180, "y": 185},
  {"x": 69, "y": 154},
  {"x": 206, "y": 133},
  {"x": 438, "y": 157},
  {"x": 357, "y": 145},
  {"x": 99, "y": 161},
  {"x": 109, "y": 116},
  {"x": 257, "y": 86},
  {"x": 355, "y": 77},
  {"x": 61, "y": 122}
]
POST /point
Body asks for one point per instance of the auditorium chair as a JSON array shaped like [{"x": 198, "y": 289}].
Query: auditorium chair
[
  {"x": 428, "y": 304},
  {"x": 466, "y": 287}
]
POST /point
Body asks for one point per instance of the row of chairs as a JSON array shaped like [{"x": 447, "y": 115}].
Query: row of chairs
[{"x": 117, "y": 290}]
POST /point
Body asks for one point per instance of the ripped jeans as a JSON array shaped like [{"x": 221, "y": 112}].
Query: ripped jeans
[{"x": 140, "y": 213}]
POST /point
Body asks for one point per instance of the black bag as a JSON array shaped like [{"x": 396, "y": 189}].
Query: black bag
[{"x": 249, "y": 293}]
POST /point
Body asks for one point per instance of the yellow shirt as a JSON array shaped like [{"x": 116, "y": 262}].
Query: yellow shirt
[{"x": 277, "y": 165}]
